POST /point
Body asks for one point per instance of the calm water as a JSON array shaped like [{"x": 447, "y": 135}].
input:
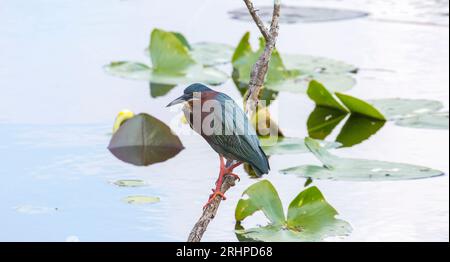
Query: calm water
[{"x": 58, "y": 107}]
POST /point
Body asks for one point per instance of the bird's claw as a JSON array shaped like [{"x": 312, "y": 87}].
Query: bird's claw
[
  {"x": 235, "y": 176},
  {"x": 213, "y": 196}
]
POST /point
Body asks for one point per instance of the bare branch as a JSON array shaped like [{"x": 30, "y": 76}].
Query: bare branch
[
  {"x": 261, "y": 66},
  {"x": 259, "y": 22},
  {"x": 258, "y": 76},
  {"x": 210, "y": 211}
]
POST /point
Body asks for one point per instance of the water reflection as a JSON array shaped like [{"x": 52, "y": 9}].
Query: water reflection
[
  {"x": 158, "y": 90},
  {"x": 322, "y": 121}
]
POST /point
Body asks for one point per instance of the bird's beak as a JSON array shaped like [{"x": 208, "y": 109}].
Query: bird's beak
[{"x": 179, "y": 100}]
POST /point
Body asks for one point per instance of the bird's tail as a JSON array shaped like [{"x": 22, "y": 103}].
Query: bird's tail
[{"x": 261, "y": 166}]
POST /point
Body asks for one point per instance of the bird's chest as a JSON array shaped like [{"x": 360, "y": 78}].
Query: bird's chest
[{"x": 205, "y": 120}]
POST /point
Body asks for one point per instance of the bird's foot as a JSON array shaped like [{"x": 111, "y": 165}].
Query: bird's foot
[
  {"x": 235, "y": 176},
  {"x": 213, "y": 196}
]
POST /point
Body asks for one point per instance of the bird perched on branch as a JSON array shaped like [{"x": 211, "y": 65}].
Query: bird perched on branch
[{"x": 223, "y": 124}]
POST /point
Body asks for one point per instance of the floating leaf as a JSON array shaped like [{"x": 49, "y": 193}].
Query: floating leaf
[
  {"x": 299, "y": 14},
  {"x": 397, "y": 108},
  {"x": 139, "y": 71},
  {"x": 141, "y": 200},
  {"x": 130, "y": 183},
  {"x": 262, "y": 196},
  {"x": 169, "y": 53},
  {"x": 358, "y": 129},
  {"x": 300, "y": 83},
  {"x": 322, "y": 97},
  {"x": 317, "y": 64},
  {"x": 144, "y": 140},
  {"x": 35, "y": 210},
  {"x": 322, "y": 121},
  {"x": 172, "y": 63},
  {"x": 309, "y": 218},
  {"x": 244, "y": 58},
  {"x": 315, "y": 219},
  {"x": 437, "y": 120},
  {"x": 291, "y": 79},
  {"x": 289, "y": 145},
  {"x": 211, "y": 54},
  {"x": 337, "y": 168},
  {"x": 360, "y": 107}
]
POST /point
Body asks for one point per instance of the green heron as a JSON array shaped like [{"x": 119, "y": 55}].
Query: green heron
[{"x": 231, "y": 135}]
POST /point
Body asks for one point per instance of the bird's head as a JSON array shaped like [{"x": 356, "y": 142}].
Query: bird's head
[{"x": 188, "y": 94}]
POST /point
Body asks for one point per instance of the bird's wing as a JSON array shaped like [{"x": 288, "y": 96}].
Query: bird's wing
[{"x": 238, "y": 138}]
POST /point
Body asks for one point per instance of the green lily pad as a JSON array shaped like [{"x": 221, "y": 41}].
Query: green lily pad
[
  {"x": 144, "y": 140},
  {"x": 289, "y": 145},
  {"x": 360, "y": 107},
  {"x": 317, "y": 64},
  {"x": 244, "y": 58},
  {"x": 292, "y": 79},
  {"x": 172, "y": 63},
  {"x": 139, "y": 71},
  {"x": 211, "y": 54},
  {"x": 436, "y": 120},
  {"x": 292, "y": 14},
  {"x": 309, "y": 218},
  {"x": 130, "y": 183},
  {"x": 347, "y": 169},
  {"x": 169, "y": 53},
  {"x": 300, "y": 83},
  {"x": 399, "y": 108},
  {"x": 262, "y": 196},
  {"x": 322, "y": 97},
  {"x": 141, "y": 200},
  {"x": 322, "y": 121}
]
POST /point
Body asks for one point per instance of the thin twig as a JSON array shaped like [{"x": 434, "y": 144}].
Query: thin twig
[
  {"x": 258, "y": 76},
  {"x": 259, "y": 71},
  {"x": 259, "y": 22}
]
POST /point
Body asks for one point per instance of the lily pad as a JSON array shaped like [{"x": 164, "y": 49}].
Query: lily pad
[
  {"x": 322, "y": 97},
  {"x": 317, "y": 64},
  {"x": 141, "y": 200},
  {"x": 309, "y": 218},
  {"x": 289, "y": 145},
  {"x": 299, "y": 14},
  {"x": 130, "y": 183},
  {"x": 169, "y": 52},
  {"x": 347, "y": 169},
  {"x": 399, "y": 108},
  {"x": 211, "y": 54},
  {"x": 139, "y": 71},
  {"x": 172, "y": 63},
  {"x": 360, "y": 107},
  {"x": 300, "y": 83},
  {"x": 291, "y": 79},
  {"x": 437, "y": 120},
  {"x": 244, "y": 58},
  {"x": 323, "y": 120},
  {"x": 144, "y": 140}
]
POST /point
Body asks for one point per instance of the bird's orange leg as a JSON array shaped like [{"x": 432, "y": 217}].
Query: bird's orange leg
[{"x": 223, "y": 172}]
